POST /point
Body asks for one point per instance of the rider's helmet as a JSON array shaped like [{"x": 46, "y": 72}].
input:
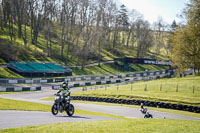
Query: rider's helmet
[
  {"x": 147, "y": 112},
  {"x": 64, "y": 84},
  {"x": 141, "y": 104}
]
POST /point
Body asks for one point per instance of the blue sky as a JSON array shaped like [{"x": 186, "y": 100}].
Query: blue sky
[{"x": 151, "y": 9}]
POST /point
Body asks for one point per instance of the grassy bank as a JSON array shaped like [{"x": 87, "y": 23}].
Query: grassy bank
[
  {"x": 177, "y": 90},
  {"x": 113, "y": 126},
  {"x": 7, "y": 73},
  {"x": 15, "y": 50},
  {"x": 104, "y": 69},
  {"x": 111, "y": 68}
]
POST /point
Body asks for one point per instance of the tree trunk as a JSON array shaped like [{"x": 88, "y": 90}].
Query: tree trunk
[
  {"x": 114, "y": 40},
  {"x": 10, "y": 28},
  {"x": 99, "y": 55},
  {"x": 25, "y": 36},
  {"x": 47, "y": 38},
  {"x": 129, "y": 34}
]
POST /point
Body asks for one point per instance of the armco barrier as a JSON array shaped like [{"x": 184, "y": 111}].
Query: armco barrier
[
  {"x": 81, "y": 84},
  {"x": 158, "y": 74},
  {"x": 15, "y": 89},
  {"x": 194, "y": 109}
]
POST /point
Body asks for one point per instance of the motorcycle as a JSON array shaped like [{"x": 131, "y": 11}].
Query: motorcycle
[
  {"x": 62, "y": 104},
  {"x": 144, "y": 110}
]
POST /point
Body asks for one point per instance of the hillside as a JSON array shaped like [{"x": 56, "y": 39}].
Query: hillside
[{"x": 15, "y": 50}]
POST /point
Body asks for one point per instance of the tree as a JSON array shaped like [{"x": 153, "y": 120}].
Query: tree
[
  {"x": 123, "y": 21},
  {"x": 144, "y": 37},
  {"x": 186, "y": 39},
  {"x": 173, "y": 26},
  {"x": 19, "y": 6},
  {"x": 1, "y": 15},
  {"x": 49, "y": 12},
  {"x": 133, "y": 17},
  {"x": 159, "y": 28}
]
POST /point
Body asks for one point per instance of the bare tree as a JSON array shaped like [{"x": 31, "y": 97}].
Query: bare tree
[
  {"x": 144, "y": 37},
  {"x": 133, "y": 17},
  {"x": 49, "y": 12},
  {"x": 159, "y": 28}
]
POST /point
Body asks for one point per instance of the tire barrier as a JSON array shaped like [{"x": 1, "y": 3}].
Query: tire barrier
[
  {"x": 182, "y": 107},
  {"x": 15, "y": 89}
]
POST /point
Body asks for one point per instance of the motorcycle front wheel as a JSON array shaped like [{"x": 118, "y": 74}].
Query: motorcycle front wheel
[
  {"x": 70, "y": 110},
  {"x": 54, "y": 110}
]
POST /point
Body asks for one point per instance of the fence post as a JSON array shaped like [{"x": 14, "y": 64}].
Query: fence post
[
  {"x": 131, "y": 86},
  {"x": 145, "y": 89},
  {"x": 117, "y": 87},
  {"x": 177, "y": 88},
  {"x": 160, "y": 87}
]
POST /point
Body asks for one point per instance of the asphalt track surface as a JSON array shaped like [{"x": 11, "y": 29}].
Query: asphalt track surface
[
  {"x": 11, "y": 119},
  {"x": 14, "y": 119}
]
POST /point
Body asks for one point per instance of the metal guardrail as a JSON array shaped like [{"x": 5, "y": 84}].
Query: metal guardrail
[{"x": 90, "y": 77}]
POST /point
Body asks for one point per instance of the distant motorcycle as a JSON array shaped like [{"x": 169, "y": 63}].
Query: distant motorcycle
[
  {"x": 144, "y": 110},
  {"x": 61, "y": 104}
]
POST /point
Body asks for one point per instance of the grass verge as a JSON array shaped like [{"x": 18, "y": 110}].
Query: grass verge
[
  {"x": 113, "y": 126},
  {"x": 8, "y": 104},
  {"x": 176, "y": 90}
]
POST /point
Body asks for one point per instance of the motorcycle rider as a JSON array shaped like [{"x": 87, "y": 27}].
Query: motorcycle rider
[
  {"x": 143, "y": 109},
  {"x": 148, "y": 115},
  {"x": 65, "y": 91}
]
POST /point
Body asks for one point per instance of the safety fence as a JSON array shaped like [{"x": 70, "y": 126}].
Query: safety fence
[
  {"x": 151, "y": 74},
  {"x": 13, "y": 89}
]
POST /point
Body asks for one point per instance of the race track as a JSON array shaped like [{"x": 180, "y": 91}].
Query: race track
[
  {"x": 14, "y": 119},
  {"x": 25, "y": 118}
]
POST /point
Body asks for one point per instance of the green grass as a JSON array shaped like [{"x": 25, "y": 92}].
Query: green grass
[
  {"x": 8, "y": 104},
  {"x": 2, "y": 61},
  {"x": 113, "y": 126},
  {"x": 7, "y": 73},
  {"x": 168, "y": 92},
  {"x": 111, "y": 68}
]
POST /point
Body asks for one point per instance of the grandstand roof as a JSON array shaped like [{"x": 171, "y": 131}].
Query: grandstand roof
[{"x": 38, "y": 67}]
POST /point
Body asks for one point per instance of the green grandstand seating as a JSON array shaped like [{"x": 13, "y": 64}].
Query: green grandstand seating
[
  {"x": 23, "y": 67},
  {"x": 40, "y": 67},
  {"x": 55, "y": 67}
]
